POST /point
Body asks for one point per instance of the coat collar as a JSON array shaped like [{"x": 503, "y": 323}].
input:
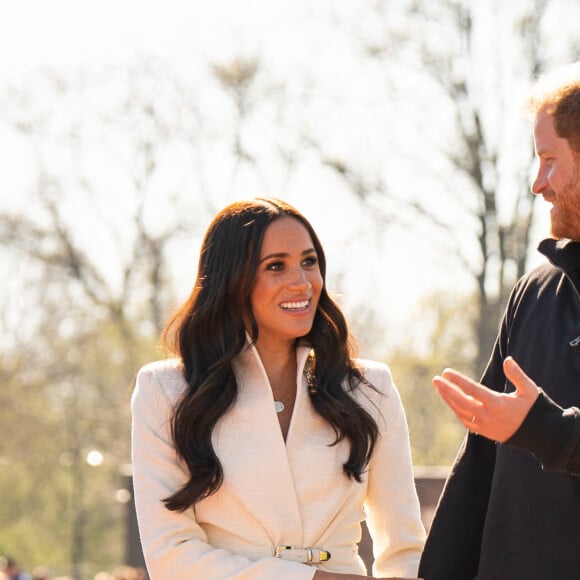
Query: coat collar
[
  {"x": 257, "y": 462},
  {"x": 565, "y": 255},
  {"x": 249, "y": 357}
]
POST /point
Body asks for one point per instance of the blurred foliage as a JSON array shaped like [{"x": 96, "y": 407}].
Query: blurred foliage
[
  {"x": 102, "y": 220},
  {"x": 63, "y": 397},
  {"x": 446, "y": 339},
  {"x": 449, "y": 342}
]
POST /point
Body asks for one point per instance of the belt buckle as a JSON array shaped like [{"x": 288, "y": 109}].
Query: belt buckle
[
  {"x": 278, "y": 550},
  {"x": 304, "y": 555},
  {"x": 323, "y": 555}
]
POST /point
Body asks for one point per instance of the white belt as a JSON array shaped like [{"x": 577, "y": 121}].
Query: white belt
[{"x": 302, "y": 555}]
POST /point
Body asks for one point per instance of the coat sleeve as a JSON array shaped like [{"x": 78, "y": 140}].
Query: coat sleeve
[
  {"x": 454, "y": 541},
  {"x": 392, "y": 505},
  {"x": 552, "y": 434},
  {"x": 175, "y": 546}
]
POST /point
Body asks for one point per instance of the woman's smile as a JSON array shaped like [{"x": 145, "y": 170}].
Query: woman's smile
[{"x": 288, "y": 283}]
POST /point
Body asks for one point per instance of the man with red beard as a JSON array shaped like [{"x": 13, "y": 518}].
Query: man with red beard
[{"x": 511, "y": 505}]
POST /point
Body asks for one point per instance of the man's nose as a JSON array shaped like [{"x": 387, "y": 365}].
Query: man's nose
[{"x": 540, "y": 183}]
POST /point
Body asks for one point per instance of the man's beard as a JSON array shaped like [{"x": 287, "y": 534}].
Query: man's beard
[{"x": 566, "y": 221}]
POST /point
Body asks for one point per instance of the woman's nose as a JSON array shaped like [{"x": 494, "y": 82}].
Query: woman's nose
[{"x": 299, "y": 278}]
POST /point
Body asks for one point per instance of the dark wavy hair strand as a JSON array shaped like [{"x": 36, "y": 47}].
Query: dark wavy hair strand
[{"x": 208, "y": 331}]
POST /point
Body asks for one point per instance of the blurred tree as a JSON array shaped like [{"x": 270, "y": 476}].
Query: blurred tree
[
  {"x": 65, "y": 394},
  {"x": 448, "y": 59},
  {"x": 93, "y": 243},
  {"x": 124, "y": 167},
  {"x": 446, "y": 323},
  {"x": 94, "y": 287}
]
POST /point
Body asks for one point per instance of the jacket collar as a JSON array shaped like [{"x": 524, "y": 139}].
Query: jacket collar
[
  {"x": 249, "y": 356},
  {"x": 565, "y": 255}
]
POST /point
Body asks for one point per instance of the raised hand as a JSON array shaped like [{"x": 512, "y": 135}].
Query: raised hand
[{"x": 494, "y": 415}]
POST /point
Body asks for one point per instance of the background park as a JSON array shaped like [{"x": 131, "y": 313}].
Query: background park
[{"x": 397, "y": 127}]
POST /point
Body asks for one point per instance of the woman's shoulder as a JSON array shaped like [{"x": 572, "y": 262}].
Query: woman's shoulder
[
  {"x": 378, "y": 392},
  {"x": 162, "y": 376},
  {"x": 377, "y": 383},
  {"x": 375, "y": 372},
  {"x": 167, "y": 365}
]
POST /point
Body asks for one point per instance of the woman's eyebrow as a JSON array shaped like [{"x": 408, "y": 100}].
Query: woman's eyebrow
[{"x": 286, "y": 254}]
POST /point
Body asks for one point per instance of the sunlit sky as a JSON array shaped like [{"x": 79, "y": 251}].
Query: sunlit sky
[{"x": 65, "y": 35}]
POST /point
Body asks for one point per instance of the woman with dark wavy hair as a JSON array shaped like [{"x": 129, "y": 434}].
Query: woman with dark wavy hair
[{"x": 261, "y": 445}]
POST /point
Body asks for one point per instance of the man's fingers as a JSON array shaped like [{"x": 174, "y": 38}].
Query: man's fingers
[
  {"x": 465, "y": 383},
  {"x": 493, "y": 414},
  {"x": 523, "y": 384},
  {"x": 463, "y": 404},
  {"x": 456, "y": 376}
]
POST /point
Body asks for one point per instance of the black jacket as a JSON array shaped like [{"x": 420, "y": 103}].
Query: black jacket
[{"x": 512, "y": 511}]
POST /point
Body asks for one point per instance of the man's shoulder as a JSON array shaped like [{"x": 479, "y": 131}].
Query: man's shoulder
[
  {"x": 540, "y": 275},
  {"x": 541, "y": 285}
]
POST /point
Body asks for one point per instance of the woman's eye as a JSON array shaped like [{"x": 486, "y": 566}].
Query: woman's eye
[
  {"x": 310, "y": 261},
  {"x": 275, "y": 266}
]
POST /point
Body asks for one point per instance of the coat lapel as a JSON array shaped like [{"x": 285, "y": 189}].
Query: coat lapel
[{"x": 249, "y": 443}]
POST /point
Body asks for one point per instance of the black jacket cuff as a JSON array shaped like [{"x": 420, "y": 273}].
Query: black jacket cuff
[{"x": 546, "y": 431}]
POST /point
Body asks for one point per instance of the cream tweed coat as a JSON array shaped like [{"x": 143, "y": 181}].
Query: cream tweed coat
[{"x": 275, "y": 492}]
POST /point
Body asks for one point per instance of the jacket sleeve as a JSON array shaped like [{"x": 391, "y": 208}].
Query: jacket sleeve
[
  {"x": 552, "y": 434},
  {"x": 392, "y": 505},
  {"x": 454, "y": 541},
  {"x": 175, "y": 546}
]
